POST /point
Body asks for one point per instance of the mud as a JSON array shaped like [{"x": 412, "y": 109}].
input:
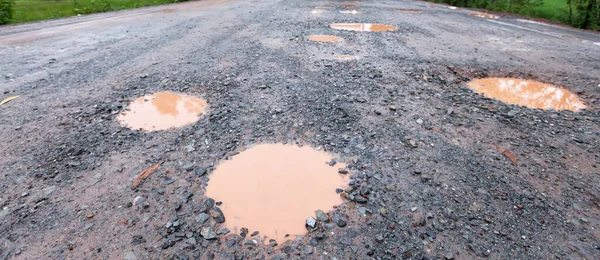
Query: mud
[
  {"x": 531, "y": 94},
  {"x": 273, "y": 188}
]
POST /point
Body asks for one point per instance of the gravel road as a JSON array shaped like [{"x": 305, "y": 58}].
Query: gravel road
[{"x": 436, "y": 170}]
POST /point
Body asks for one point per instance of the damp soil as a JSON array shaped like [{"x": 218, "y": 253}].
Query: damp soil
[
  {"x": 274, "y": 188},
  {"x": 435, "y": 170}
]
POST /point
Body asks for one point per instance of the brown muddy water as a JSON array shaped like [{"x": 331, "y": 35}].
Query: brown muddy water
[
  {"x": 484, "y": 15},
  {"x": 350, "y": 12},
  {"x": 527, "y": 93},
  {"x": 364, "y": 27},
  {"x": 324, "y": 38},
  {"x": 274, "y": 188},
  {"x": 161, "y": 111}
]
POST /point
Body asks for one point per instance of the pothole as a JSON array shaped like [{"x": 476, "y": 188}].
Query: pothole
[
  {"x": 161, "y": 111},
  {"x": 345, "y": 57},
  {"x": 324, "y": 38},
  {"x": 274, "y": 188},
  {"x": 364, "y": 27},
  {"x": 350, "y": 12},
  {"x": 484, "y": 15},
  {"x": 527, "y": 93},
  {"x": 410, "y": 11}
]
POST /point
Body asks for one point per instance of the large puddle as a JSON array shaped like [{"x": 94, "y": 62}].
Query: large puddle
[
  {"x": 274, "y": 188},
  {"x": 161, "y": 111},
  {"x": 527, "y": 93},
  {"x": 364, "y": 27},
  {"x": 324, "y": 38},
  {"x": 484, "y": 15}
]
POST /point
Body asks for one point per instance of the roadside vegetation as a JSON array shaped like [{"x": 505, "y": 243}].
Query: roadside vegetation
[
  {"x": 583, "y": 14},
  {"x": 19, "y": 11}
]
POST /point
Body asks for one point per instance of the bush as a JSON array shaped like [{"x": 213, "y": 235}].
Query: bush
[
  {"x": 95, "y": 6},
  {"x": 6, "y": 11}
]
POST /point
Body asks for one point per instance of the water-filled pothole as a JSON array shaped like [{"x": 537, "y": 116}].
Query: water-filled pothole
[
  {"x": 410, "y": 11},
  {"x": 348, "y": 5},
  {"x": 273, "y": 188},
  {"x": 527, "y": 93},
  {"x": 161, "y": 111},
  {"x": 324, "y": 38},
  {"x": 364, "y": 27},
  {"x": 484, "y": 15},
  {"x": 350, "y": 12},
  {"x": 344, "y": 57}
]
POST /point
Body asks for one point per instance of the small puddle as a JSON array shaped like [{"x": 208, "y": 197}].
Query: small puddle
[
  {"x": 274, "y": 188},
  {"x": 348, "y": 5},
  {"x": 484, "y": 15},
  {"x": 344, "y": 57},
  {"x": 364, "y": 27},
  {"x": 324, "y": 38},
  {"x": 350, "y": 12},
  {"x": 161, "y": 111},
  {"x": 527, "y": 93},
  {"x": 410, "y": 11},
  {"x": 317, "y": 11},
  {"x": 324, "y": 7}
]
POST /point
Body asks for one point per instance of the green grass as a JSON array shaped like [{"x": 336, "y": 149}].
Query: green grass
[
  {"x": 554, "y": 10},
  {"x": 35, "y": 10}
]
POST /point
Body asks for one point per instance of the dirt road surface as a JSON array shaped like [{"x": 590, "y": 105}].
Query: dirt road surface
[{"x": 430, "y": 160}]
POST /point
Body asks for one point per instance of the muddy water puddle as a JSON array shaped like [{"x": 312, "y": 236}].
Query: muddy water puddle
[
  {"x": 484, "y": 15},
  {"x": 324, "y": 38},
  {"x": 274, "y": 188},
  {"x": 410, "y": 11},
  {"x": 527, "y": 93},
  {"x": 364, "y": 27},
  {"x": 161, "y": 111},
  {"x": 350, "y": 12},
  {"x": 348, "y": 5}
]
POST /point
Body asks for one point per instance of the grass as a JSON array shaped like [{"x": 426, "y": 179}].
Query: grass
[
  {"x": 554, "y": 10},
  {"x": 35, "y": 10}
]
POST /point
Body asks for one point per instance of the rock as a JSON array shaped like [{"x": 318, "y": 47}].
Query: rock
[
  {"x": 254, "y": 233},
  {"x": 185, "y": 197},
  {"x": 341, "y": 223},
  {"x": 189, "y": 148},
  {"x": 307, "y": 250},
  {"x": 209, "y": 203},
  {"x": 342, "y": 171},
  {"x": 217, "y": 214},
  {"x": 189, "y": 167},
  {"x": 338, "y": 191},
  {"x": 223, "y": 231},
  {"x": 129, "y": 256},
  {"x": 393, "y": 108},
  {"x": 207, "y": 233},
  {"x": 322, "y": 216},
  {"x": 251, "y": 243},
  {"x": 191, "y": 241},
  {"x": 379, "y": 238},
  {"x": 4, "y": 212},
  {"x": 201, "y": 218},
  {"x": 48, "y": 190},
  {"x": 360, "y": 199},
  {"x": 200, "y": 172},
  {"x": 311, "y": 222},
  {"x": 419, "y": 121},
  {"x": 449, "y": 256},
  {"x": 332, "y": 162}
]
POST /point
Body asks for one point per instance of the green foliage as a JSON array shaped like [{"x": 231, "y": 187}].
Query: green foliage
[
  {"x": 6, "y": 11},
  {"x": 94, "y": 6},
  {"x": 584, "y": 13},
  {"x": 512, "y": 6}
]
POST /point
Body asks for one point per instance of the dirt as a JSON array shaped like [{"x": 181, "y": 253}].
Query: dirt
[{"x": 427, "y": 179}]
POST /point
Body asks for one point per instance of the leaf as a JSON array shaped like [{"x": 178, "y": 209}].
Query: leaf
[
  {"x": 508, "y": 154},
  {"x": 8, "y": 99},
  {"x": 143, "y": 175}
]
